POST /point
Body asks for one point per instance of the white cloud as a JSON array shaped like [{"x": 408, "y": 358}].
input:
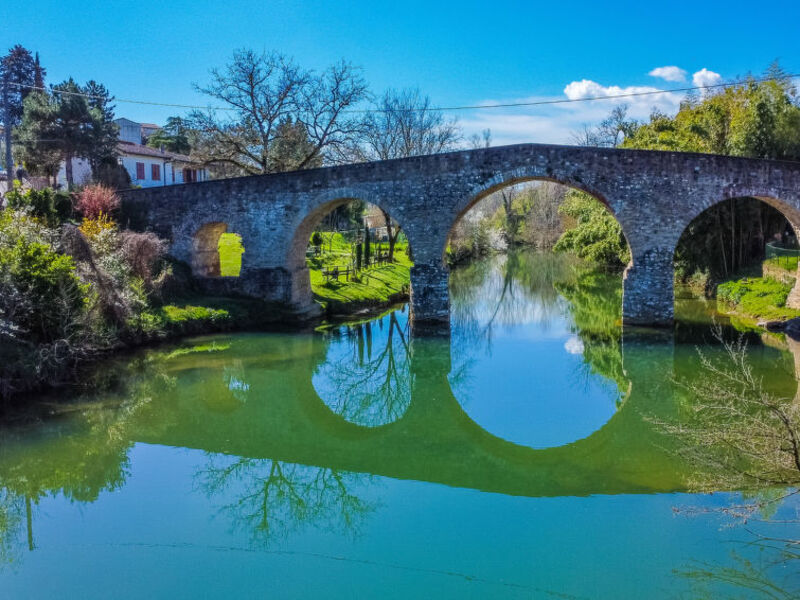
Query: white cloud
[
  {"x": 558, "y": 123},
  {"x": 574, "y": 345},
  {"x": 586, "y": 88},
  {"x": 515, "y": 127},
  {"x": 670, "y": 73},
  {"x": 705, "y": 78}
]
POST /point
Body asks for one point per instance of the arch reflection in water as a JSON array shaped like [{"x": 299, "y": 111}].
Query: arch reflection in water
[
  {"x": 541, "y": 336},
  {"x": 366, "y": 377}
]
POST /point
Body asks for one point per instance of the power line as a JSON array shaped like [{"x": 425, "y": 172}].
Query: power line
[
  {"x": 616, "y": 96},
  {"x": 447, "y": 108}
]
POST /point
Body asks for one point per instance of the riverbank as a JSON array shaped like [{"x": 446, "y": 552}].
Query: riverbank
[
  {"x": 758, "y": 299},
  {"x": 75, "y": 287}
]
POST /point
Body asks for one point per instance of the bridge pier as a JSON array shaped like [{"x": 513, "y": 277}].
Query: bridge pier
[
  {"x": 647, "y": 289},
  {"x": 430, "y": 297}
]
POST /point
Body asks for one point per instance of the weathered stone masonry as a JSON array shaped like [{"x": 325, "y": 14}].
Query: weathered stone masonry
[{"x": 654, "y": 196}]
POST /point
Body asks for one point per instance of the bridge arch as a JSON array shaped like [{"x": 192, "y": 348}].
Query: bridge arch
[
  {"x": 637, "y": 245},
  {"x": 787, "y": 205},
  {"x": 206, "y": 253},
  {"x": 294, "y": 257},
  {"x": 518, "y": 177}
]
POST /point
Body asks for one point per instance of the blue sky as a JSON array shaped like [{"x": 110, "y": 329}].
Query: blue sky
[{"x": 457, "y": 52}]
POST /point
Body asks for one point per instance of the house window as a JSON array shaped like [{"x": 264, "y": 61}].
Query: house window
[
  {"x": 173, "y": 173},
  {"x": 155, "y": 172},
  {"x": 139, "y": 170}
]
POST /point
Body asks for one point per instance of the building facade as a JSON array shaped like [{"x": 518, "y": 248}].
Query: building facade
[
  {"x": 150, "y": 167},
  {"x": 147, "y": 167}
]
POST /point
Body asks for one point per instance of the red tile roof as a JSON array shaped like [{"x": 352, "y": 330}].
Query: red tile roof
[{"x": 130, "y": 148}]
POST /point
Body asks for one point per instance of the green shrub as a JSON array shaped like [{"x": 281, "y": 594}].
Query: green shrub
[
  {"x": 757, "y": 297},
  {"x": 48, "y": 296},
  {"x": 47, "y": 205},
  {"x": 596, "y": 236}
]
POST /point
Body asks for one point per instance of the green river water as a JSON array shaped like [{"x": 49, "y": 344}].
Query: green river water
[{"x": 516, "y": 458}]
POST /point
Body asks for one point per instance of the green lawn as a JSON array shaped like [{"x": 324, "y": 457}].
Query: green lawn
[
  {"x": 230, "y": 254},
  {"x": 376, "y": 284},
  {"x": 787, "y": 263},
  {"x": 757, "y": 298}
]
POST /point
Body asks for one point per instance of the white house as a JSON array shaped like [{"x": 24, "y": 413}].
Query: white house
[
  {"x": 147, "y": 167},
  {"x": 81, "y": 172}
]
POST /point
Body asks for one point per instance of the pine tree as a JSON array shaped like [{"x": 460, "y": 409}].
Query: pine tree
[
  {"x": 65, "y": 124},
  {"x": 38, "y": 74},
  {"x": 18, "y": 72},
  {"x": 367, "y": 245},
  {"x": 39, "y": 153},
  {"x": 102, "y": 132}
]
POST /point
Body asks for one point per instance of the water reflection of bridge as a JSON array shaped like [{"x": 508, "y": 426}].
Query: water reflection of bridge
[
  {"x": 278, "y": 415},
  {"x": 280, "y": 458}
]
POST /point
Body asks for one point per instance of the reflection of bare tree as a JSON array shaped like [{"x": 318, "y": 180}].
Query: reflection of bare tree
[
  {"x": 235, "y": 380},
  {"x": 363, "y": 386},
  {"x": 272, "y": 498},
  {"x": 734, "y": 433},
  {"x": 766, "y": 577}
]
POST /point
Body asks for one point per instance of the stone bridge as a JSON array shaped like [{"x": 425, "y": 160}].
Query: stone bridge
[{"x": 653, "y": 195}]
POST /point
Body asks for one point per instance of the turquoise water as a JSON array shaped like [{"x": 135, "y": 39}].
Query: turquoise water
[{"x": 514, "y": 459}]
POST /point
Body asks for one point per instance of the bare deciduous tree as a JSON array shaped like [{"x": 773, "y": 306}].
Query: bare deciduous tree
[
  {"x": 543, "y": 223},
  {"x": 484, "y": 140},
  {"x": 281, "y": 116},
  {"x": 610, "y": 132},
  {"x": 737, "y": 435},
  {"x": 402, "y": 124}
]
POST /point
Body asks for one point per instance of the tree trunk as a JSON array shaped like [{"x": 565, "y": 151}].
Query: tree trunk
[
  {"x": 68, "y": 170},
  {"x": 29, "y": 520},
  {"x": 508, "y": 201},
  {"x": 722, "y": 243},
  {"x": 392, "y": 236},
  {"x": 734, "y": 266}
]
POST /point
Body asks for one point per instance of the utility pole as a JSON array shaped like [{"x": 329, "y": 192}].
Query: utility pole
[{"x": 7, "y": 127}]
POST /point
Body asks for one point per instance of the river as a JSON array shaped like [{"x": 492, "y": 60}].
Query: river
[{"x": 522, "y": 457}]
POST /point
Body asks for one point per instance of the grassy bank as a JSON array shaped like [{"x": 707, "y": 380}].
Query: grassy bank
[
  {"x": 372, "y": 286},
  {"x": 193, "y": 314},
  {"x": 760, "y": 298},
  {"x": 76, "y": 286}
]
